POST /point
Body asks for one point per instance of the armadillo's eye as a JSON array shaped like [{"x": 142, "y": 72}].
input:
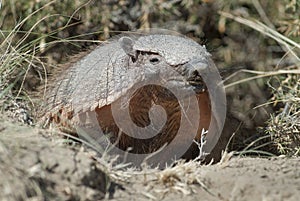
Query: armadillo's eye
[
  {"x": 133, "y": 59},
  {"x": 154, "y": 60}
]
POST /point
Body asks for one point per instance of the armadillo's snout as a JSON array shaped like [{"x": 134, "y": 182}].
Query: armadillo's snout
[{"x": 195, "y": 69}]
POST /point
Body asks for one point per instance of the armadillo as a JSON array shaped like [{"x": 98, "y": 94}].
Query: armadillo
[{"x": 143, "y": 74}]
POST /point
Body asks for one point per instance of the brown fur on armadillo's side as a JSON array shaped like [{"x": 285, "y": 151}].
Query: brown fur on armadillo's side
[
  {"x": 140, "y": 104},
  {"x": 139, "y": 109}
]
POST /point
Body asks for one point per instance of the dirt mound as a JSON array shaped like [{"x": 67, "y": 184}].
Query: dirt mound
[{"x": 34, "y": 166}]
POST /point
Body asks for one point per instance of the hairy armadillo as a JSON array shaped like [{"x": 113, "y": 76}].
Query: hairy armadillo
[{"x": 141, "y": 72}]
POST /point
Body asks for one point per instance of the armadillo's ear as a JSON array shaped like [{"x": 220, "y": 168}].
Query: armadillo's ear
[{"x": 127, "y": 45}]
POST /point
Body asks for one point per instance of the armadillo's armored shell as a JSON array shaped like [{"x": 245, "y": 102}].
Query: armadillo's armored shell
[
  {"x": 104, "y": 75},
  {"x": 176, "y": 50},
  {"x": 98, "y": 79}
]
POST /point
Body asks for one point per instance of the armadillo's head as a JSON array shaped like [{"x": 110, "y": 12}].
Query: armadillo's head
[{"x": 186, "y": 57}]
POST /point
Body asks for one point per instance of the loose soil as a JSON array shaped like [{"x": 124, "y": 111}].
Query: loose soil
[{"x": 35, "y": 164}]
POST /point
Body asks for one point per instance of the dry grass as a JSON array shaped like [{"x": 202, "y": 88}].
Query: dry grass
[
  {"x": 20, "y": 65},
  {"x": 284, "y": 127}
]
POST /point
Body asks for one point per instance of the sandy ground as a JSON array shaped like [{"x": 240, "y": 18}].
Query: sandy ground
[
  {"x": 35, "y": 165},
  {"x": 237, "y": 179}
]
